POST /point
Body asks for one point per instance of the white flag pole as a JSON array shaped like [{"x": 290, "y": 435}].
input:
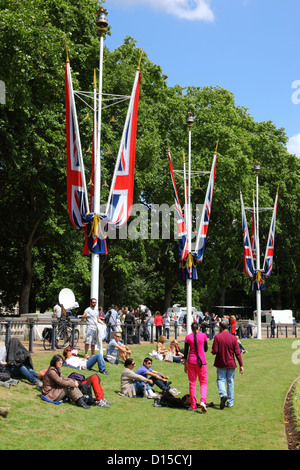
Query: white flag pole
[
  {"x": 102, "y": 23},
  {"x": 258, "y": 292},
  {"x": 189, "y": 121}
]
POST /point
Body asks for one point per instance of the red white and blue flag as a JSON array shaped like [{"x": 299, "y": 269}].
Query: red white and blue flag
[
  {"x": 120, "y": 199},
  {"x": 181, "y": 225},
  {"x": 248, "y": 263},
  {"x": 206, "y": 213},
  {"x": 76, "y": 186},
  {"x": 268, "y": 261}
]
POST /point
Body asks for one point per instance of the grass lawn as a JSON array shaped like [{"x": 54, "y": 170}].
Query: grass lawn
[{"x": 256, "y": 421}]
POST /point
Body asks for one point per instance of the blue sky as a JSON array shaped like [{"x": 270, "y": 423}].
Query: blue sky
[{"x": 250, "y": 47}]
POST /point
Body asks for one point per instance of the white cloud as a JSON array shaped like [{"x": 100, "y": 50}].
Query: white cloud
[
  {"x": 293, "y": 145},
  {"x": 184, "y": 9}
]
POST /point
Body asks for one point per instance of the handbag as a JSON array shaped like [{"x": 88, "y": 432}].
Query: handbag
[{"x": 76, "y": 376}]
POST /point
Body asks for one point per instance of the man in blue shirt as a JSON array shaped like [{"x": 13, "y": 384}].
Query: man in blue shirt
[{"x": 159, "y": 379}]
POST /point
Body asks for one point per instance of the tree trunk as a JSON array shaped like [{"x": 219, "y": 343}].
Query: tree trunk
[{"x": 27, "y": 273}]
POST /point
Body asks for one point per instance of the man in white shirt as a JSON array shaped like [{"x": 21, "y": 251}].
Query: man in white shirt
[{"x": 92, "y": 319}]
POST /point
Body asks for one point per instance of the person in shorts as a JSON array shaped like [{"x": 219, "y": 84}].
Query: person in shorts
[{"x": 116, "y": 350}]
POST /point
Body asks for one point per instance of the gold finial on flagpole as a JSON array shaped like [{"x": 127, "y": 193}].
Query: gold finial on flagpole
[
  {"x": 183, "y": 156},
  {"x": 217, "y": 146},
  {"x": 66, "y": 52},
  {"x": 140, "y": 59},
  {"x": 95, "y": 82}
]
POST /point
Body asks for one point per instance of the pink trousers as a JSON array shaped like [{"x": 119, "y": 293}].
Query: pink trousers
[{"x": 195, "y": 371}]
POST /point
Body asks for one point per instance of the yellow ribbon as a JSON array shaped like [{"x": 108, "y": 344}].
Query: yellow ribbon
[{"x": 189, "y": 261}]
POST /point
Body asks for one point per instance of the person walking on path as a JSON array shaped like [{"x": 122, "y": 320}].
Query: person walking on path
[
  {"x": 195, "y": 365},
  {"x": 225, "y": 347}
]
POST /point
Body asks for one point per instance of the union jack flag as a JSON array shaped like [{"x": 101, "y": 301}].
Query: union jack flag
[
  {"x": 268, "y": 261},
  {"x": 76, "y": 187},
  {"x": 120, "y": 200},
  {"x": 181, "y": 226},
  {"x": 249, "y": 268},
  {"x": 206, "y": 213}
]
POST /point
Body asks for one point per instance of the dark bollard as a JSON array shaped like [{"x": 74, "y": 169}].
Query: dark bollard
[
  {"x": 54, "y": 326},
  {"x": 7, "y": 332},
  {"x": 73, "y": 335},
  {"x": 125, "y": 333},
  {"x": 31, "y": 326},
  {"x": 176, "y": 328},
  {"x": 151, "y": 339}
]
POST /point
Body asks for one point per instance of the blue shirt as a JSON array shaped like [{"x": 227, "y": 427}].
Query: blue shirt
[{"x": 143, "y": 371}]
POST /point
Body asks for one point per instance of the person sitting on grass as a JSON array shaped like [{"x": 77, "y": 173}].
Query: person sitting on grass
[
  {"x": 78, "y": 363},
  {"x": 158, "y": 378},
  {"x": 133, "y": 385},
  {"x": 116, "y": 349},
  {"x": 56, "y": 387},
  {"x": 16, "y": 360},
  {"x": 177, "y": 357}
]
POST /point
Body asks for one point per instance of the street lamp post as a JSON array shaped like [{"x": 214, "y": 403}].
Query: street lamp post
[
  {"x": 190, "y": 122},
  {"x": 102, "y": 23},
  {"x": 258, "y": 292}
]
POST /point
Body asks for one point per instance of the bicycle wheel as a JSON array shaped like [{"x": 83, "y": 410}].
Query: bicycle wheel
[
  {"x": 47, "y": 338},
  {"x": 47, "y": 343},
  {"x": 63, "y": 337}
]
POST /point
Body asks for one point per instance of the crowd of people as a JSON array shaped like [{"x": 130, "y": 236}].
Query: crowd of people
[{"x": 57, "y": 388}]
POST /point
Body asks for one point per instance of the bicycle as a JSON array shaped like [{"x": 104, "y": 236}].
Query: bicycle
[{"x": 63, "y": 337}]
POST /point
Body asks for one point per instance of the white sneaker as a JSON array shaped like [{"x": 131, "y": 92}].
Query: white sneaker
[
  {"x": 151, "y": 394},
  {"x": 203, "y": 407},
  {"x": 102, "y": 404},
  {"x": 146, "y": 394},
  {"x": 174, "y": 391}
]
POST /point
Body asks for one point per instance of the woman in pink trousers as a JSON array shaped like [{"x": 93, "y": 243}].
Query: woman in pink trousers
[{"x": 195, "y": 365}]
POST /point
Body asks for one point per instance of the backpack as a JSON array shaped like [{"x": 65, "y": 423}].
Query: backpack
[
  {"x": 87, "y": 394},
  {"x": 4, "y": 376}
]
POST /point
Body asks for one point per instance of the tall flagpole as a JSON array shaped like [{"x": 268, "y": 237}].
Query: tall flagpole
[
  {"x": 189, "y": 121},
  {"x": 101, "y": 22},
  {"x": 258, "y": 292}
]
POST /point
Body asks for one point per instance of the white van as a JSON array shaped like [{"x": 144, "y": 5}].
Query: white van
[
  {"x": 280, "y": 316},
  {"x": 180, "y": 313}
]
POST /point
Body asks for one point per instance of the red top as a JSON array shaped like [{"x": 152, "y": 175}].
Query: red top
[
  {"x": 158, "y": 320},
  {"x": 226, "y": 348}
]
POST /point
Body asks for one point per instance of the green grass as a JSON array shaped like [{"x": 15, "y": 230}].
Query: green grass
[
  {"x": 255, "y": 422},
  {"x": 296, "y": 405}
]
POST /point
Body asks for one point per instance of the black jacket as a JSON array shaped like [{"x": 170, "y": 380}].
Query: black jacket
[{"x": 17, "y": 354}]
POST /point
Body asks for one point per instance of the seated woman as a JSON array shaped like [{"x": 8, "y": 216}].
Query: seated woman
[
  {"x": 94, "y": 382},
  {"x": 177, "y": 357},
  {"x": 56, "y": 387},
  {"x": 133, "y": 384},
  {"x": 160, "y": 346},
  {"x": 86, "y": 364}
]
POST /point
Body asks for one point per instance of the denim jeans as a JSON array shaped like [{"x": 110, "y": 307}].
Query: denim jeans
[
  {"x": 226, "y": 376},
  {"x": 23, "y": 371},
  {"x": 140, "y": 387},
  {"x": 96, "y": 358},
  {"x": 160, "y": 383}
]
